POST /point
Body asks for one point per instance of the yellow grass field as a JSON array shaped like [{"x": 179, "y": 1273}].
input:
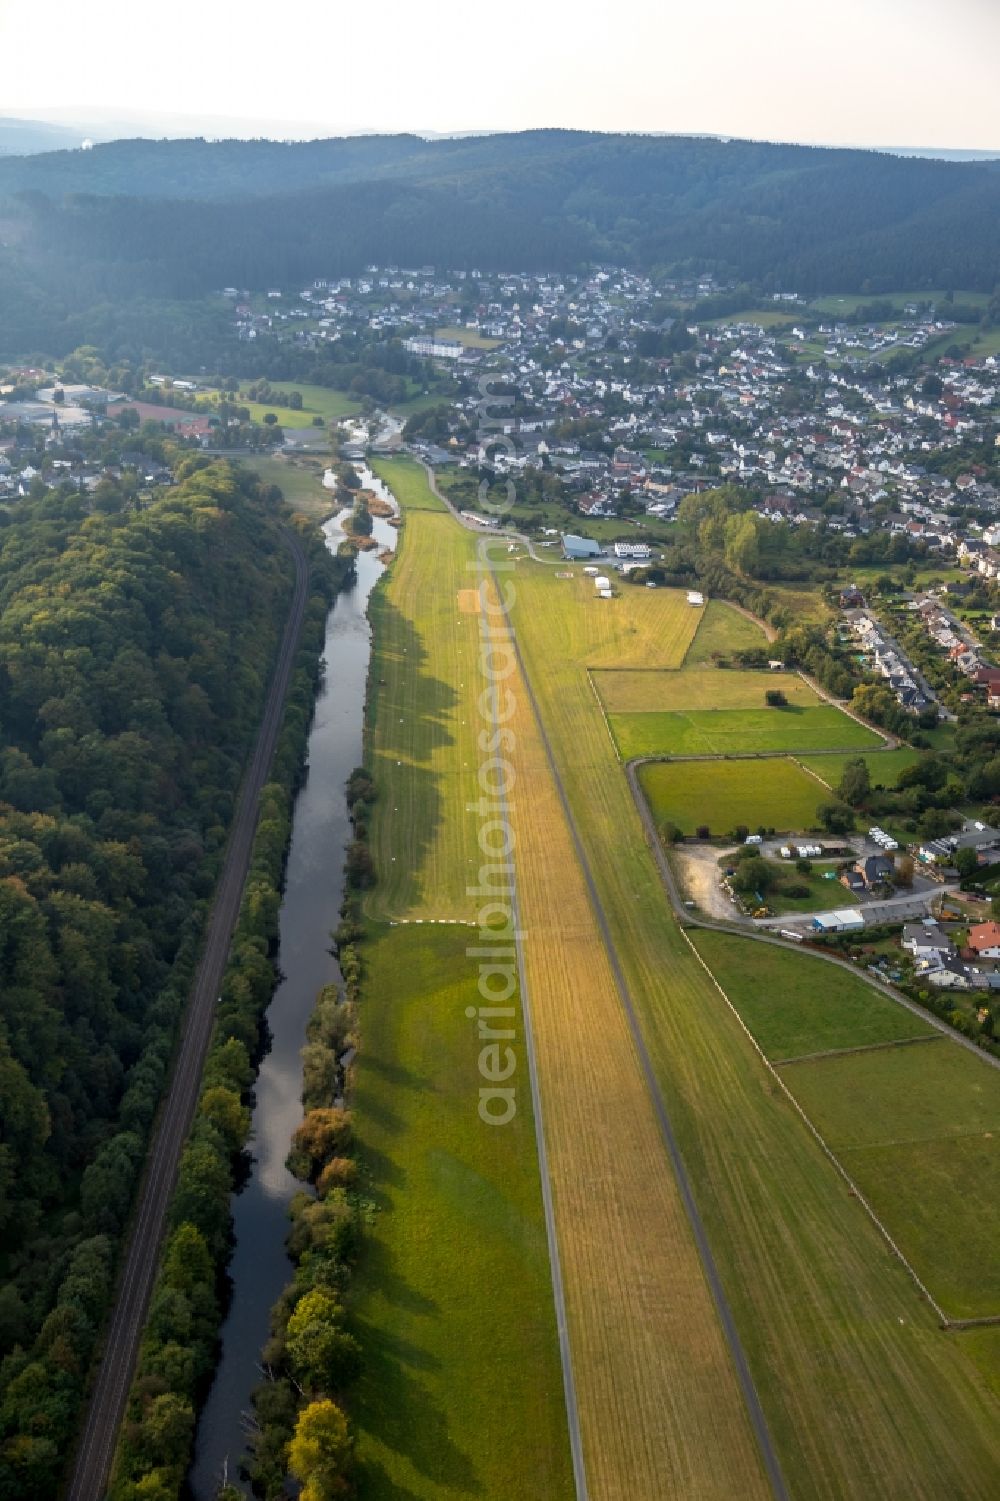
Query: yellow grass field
[{"x": 863, "y": 1394}]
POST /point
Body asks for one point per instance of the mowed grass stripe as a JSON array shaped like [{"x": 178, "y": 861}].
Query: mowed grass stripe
[
  {"x": 738, "y": 731},
  {"x": 423, "y": 724},
  {"x": 660, "y": 1409},
  {"x": 863, "y": 1394}
]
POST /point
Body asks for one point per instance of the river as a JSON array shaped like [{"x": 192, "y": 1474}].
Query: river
[{"x": 314, "y": 887}]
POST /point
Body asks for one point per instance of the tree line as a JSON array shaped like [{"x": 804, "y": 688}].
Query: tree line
[{"x": 135, "y": 646}]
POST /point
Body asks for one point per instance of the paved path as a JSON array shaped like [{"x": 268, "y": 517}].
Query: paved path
[
  {"x": 755, "y": 1411},
  {"x": 114, "y": 1375}
]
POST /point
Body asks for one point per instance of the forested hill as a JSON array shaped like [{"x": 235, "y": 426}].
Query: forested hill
[
  {"x": 178, "y": 218},
  {"x": 135, "y": 648}
]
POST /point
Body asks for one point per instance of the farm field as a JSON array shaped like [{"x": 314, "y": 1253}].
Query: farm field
[
  {"x": 883, "y": 766},
  {"x": 721, "y": 631},
  {"x": 696, "y": 688},
  {"x": 718, "y": 732},
  {"x": 774, "y": 793},
  {"x": 804, "y": 1269},
  {"x": 795, "y": 1003},
  {"x": 458, "y": 1229},
  {"x": 408, "y": 483}
]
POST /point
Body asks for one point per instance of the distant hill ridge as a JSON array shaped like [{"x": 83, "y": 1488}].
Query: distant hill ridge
[{"x": 177, "y": 218}]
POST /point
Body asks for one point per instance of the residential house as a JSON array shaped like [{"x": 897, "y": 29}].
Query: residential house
[
  {"x": 876, "y": 870},
  {"x": 984, "y": 940},
  {"x": 928, "y": 943}
]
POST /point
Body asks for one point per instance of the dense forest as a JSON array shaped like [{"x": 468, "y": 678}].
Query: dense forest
[
  {"x": 135, "y": 646},
  {"x": 150, "y": 221}
]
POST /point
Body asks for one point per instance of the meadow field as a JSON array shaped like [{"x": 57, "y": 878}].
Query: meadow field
[
  {"x": 457, "y": 1238},
  {"x": 805, "y": 1271},
  {"x": 317, "y": 401},
  {"x": 918, "y": 1128},
  {"x": 720, "y": 732},
  {"x": 721, "y": 631},
  {"x": 300, "y": 480},
  {"x": 774, "y": 793},
  {"x": 884, "y": 766},
  {"x": 408, "y": 483},
  {"x": 795, "y": 1004},
  {"x": 697, "y": 687}
]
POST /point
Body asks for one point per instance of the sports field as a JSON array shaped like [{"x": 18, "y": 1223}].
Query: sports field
[
  {"x": 774, "y": 793},
  {"x": 723, "y": 630},
  {"x": 720, "y": 732},
  {"x": 806, "y": 1272},
  {"x": 696, "y": 688},
  {"x": 452, "y": 1296}
]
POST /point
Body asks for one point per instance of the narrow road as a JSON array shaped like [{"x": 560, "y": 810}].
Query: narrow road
[
  {"x": 507, "y": 533},
  {"x": 114, "y": 1374},
  {"x": 755, "y": 1411}
]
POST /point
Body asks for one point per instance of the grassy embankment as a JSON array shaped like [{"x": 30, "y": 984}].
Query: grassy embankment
[{"x": 863, "y": 1393}]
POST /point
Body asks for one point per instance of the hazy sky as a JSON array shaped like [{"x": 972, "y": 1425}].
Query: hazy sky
[{"x": 892, "y": 72}]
